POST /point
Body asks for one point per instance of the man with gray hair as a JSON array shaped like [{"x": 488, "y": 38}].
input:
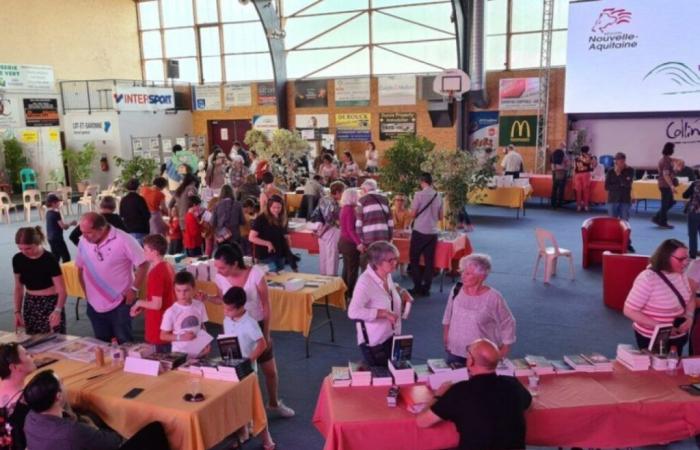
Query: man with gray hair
[
  {"x": 373, "y": 220},
  {"x": 488, "y": 410}
]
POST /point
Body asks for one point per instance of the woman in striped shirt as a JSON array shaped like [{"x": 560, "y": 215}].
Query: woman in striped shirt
[{"x": 652, "y": 301}]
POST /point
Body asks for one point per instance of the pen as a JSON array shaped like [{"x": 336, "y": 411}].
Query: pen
[{"x": 96, "y": 376}]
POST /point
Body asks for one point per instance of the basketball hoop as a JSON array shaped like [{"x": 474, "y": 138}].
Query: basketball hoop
[{"x": 451, "y": 84}]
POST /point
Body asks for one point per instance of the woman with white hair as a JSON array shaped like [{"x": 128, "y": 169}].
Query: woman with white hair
[
  {"x": 476, "y": 311},
  {"x": 237, "y": 172},
  {"x": 377, "y": 304}
]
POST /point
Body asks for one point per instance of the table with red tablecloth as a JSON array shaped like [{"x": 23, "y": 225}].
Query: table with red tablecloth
[
  {"x": 599, "y": 410},
  {"x": 542, "y": 187},
  {"x": 448, "y": 247},
  {"x": 305, "y": 240}
]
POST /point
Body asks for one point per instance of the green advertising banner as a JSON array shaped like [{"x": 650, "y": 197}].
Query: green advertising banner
[{"x": 517, "y": 130}]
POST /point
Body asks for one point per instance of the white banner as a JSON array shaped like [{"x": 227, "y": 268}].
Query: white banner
[
  {"x": 207, "y": 97},
  {"x": 236, "y": 94},
  {"x": 11, "y": 113},
  {"x": 143, "y": 99},
  {"x": 352, "y": 92},
  {"x": 518, "y": 93},
  {"x": 267, "y": 124},
  {"x": 88, "y": 128},
  {"x": 311, "y": 121},
  {"x": 397, "y": 90},
  {"x": 17, "y": 77}
]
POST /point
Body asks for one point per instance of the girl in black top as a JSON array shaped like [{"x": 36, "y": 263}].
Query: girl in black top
[
  {"x": 269, "y": 234},
  {"x": 39, "y": 281}
]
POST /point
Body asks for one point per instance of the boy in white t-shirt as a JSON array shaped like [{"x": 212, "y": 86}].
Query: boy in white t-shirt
[
  {"x": 183, "y": 321},
  {"x": 237, "y": 322}
]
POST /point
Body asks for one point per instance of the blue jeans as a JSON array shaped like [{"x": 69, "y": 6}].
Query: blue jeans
[
  {"x": 454, "y": 358},
  {"x": 693, "y": 229},
  {"x": 275, "y": 263},
  {"x": 139, "y": 237},
  {"x": 619, "y": 210},
  {"x": 111, "y": 324}
]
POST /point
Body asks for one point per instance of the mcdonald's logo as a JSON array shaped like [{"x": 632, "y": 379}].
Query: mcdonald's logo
[{"x": 524, "y": 132}]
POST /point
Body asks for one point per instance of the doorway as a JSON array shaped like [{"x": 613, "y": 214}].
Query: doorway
[{"x": 225, "y": 132}]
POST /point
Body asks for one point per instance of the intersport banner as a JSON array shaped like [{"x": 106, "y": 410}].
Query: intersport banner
[{"x": 143, "y": 98}]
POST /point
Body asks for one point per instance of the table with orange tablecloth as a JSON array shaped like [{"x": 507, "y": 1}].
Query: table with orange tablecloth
[
  {"x": 542, "y": 187},
  {"x": 189, "y": 426},
  {"x": 602, "y": 410},
  {"x": 508, "y": 197},
  {"x": 293, "y": 201}
]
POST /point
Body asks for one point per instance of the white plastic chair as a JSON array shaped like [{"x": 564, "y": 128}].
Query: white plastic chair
[
  {"x": 32, "y": 199},
  {"x": 550, "y": 253},
  {"x": 66, "y": 194},
  {"x": 6, "y": 205},
  {"x": 89, "y": 198}
]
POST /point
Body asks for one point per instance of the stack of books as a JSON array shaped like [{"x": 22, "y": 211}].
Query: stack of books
[
  {"x": 600, "y": 362},
  {"x": 422, "y": 372},
  {"x": 504, "y": 369},
  {"x": 360, "y": 374},
  {"x": 454, "y": 373},
  {"x": 219, "y": 369},
  {"x": 633, "y": 359},
  {"x": 381, "y": 376},
  {"x": 561, "y": 367},
  {"x": 340, "y": 377},
  {"x": 438, "y": 365},
  {"x": 540, "y": 365},
  {"x": 519, "y": 366},
  {"x": 169, "y": 361},
  {"x": 579, "y": 363},
  {"x": 400, "y": 362},
  {"x": 140, "y": 350}
]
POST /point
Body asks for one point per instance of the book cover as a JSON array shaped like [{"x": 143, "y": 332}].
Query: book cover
[
  {"x": 438, "y": 365},
  {"x": 658, "y": 344},
  {"x": 402, "y": 348},
  {"x": 229, "y": 347}
]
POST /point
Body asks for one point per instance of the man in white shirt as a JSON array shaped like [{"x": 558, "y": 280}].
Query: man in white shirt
[{"x": 512, "y": 162}]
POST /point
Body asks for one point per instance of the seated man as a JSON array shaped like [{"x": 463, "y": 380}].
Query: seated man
[
  {"x": 488, "y": 410},
  {"x": 46, "y": 427}
]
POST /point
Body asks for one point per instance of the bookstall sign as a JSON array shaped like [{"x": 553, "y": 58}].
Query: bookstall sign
[
  {"x": 353, "y": 127},
  {"x": 393, "y": 125},
  {"x": 397, "y": 90},
  {"x": 311, "y": 93},
  {"x": 483, "y": 130},
  {"x": 207, "y": 97},
  {"x": 266, "y": 94},
  {"x": 311, "y": 126},
  {"x": 266, "y": 123},
  {"x": 517, "y": 130},
  {"x": 518, "y": 93},
  {"x": 352, "y": 92},
  {"x": 17, "y": 77},
  {"x": 41, "y": 112},
  {"x": 237, "y": 94}
]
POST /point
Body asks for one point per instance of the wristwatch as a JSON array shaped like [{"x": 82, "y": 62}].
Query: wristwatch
[{"x": 135, "y": 289}]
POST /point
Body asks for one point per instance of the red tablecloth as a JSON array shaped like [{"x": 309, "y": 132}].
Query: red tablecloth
[
  {"x": 619, "y": 409},
  {"x": 305, "y": 240},
  {"x": 542, "y": 187},
  {"x": 444, "y": 253}
]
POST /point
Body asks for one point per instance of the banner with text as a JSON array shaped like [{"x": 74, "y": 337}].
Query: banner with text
[
  {"x": 10, "y": 115},
  {"x": 236, "y": 94},
  {"x": 397, "y": 90},
  {"x": 517, "y": 130},
  {"x": 18, "y": 77},
  {"x": 352, "y": 92},
  {"x": 207, "y": 97},
  {"x": 311, "y": 93},
  {"x": 88, "y": 128},
  {"x": 143, "y": 98},
  {"x": 353, "y": 127},
  {"x": 518, "y": 93},
  {"x": 483, "y": 130},
  {"x": 311, "y": 126},
  {"x": 41, "y": 112},
  {"x": 266, "y": 123},
  {"x": 266, "y": 94},
  {"x": 393, "y": 125}
]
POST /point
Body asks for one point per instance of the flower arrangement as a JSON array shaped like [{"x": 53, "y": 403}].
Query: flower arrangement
[{"x": 284, "y": 153}]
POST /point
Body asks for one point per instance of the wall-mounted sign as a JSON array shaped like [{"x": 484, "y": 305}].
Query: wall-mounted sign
[
  {"x": 88, "y": 128},
  {"x": 143, "y": 98},
  {"x": 29, "y": 136},
  {"x": 10, "y": 112},
  {"x": 397, "y": 90},
  {"x": 266, "y": 123},
  {"x": 353, "y": 126},
  {"x": 483, "y": 130},
  {"x": 311, "y": 93},
  {"x": 266, "y": 94},
  {"x": 393, "y": 125},
  {"x": 41, "y": 112},
  {"x": 236, "y": 94},
  {"x": 518, "y": 93},
  {"x": 352, "y": 92},
  {"x": 517, "y": 130},
  {"x": 18, "y": 77},
  {"x": 207, "y": 97},
  {"x": 311, "y": 126}
]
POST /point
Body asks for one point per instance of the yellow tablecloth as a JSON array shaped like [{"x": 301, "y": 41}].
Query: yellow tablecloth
[
  {"x": 70, "y": 277},
  {"x": 649, "y": 190},
  {"x": 509, "y": 197},
  {"x": 290, "y": 311},
  {"x": 189, "y": 426},
  {"x": 293, "y": 201}
]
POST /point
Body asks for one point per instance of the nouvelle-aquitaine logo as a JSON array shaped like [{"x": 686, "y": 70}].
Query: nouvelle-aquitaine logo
[{"x": 606, "y": 35}]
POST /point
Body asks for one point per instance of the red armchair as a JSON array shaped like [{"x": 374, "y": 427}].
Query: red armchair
[
  {"x": 619, "y": 273},
  {"x": 603, "y": 233}
]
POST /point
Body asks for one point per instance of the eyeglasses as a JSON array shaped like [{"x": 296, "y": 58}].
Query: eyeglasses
[
  {"x": 100, "y": 257},
  {"x": 392, "y": 260},
  {"x": 684, "y": 259}
]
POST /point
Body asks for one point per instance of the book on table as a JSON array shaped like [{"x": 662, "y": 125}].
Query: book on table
[
  {"x": 579, "y": 363},
  {"x": 540, "y": 365},
  {"x": 520, "y": 367},
  {"x": 229, "y": 346},
  {"x": 340, "y": 377},
  {"x": 601, "y": 362},
  {"x": 360, "y": 374},
  {"x": 504, "y": 369},
  {"x": 632, "y": 358},
  {"x": 169, "y": 361},
  {"x": 438, "y": 365},
  {"x": 561, "y": 367},
  {"x": 422, "y": 372},
  {"x": 416, "y": 397},
  {"x": 659, "y": 343},
  {"x": 456, "y": 373},
  {"x": 381, "y": 376},
  {"x": 400, "y": 362},
  {"x": 219, "y": 368}
]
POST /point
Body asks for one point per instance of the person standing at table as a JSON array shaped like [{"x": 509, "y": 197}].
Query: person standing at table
[
  {"x": 371, "y": 158},
  {"x": 268, "y": 190},
  {"x": 662, "y": 295},
  {"x": 134, "y": 211},
  {"x": 377, "y": 304},
  {"x": 583, "y": 166},
  {"x": 512, "y": 162},
  {"x": 112, "y": 269},
  {"x": 349, "y": 170},
  {"x": 180, "y": 200},
  {"x": 328, "y": 170},
  {"x": 183, "y": 321},
  {"x": 329, "y": 233},
  {"x": 372, "y": 218},
  {"x": 488, "y": 410},
  {"x": 349, "y": 243},
  {"x": 618, "y": 183},
  {"x": 475, "y": 310},
  {"x": 232, "y": 271},
  {"x": 667, "y": 186},
  {"x": 560, "y": 171},
  {"x": 40, "y": 293},
  {"x": 270, "y": 236},
  {"x": 426, "y": 210},
  {"x": 155, "y": 200},
  {"x": 227, "y": 218}
]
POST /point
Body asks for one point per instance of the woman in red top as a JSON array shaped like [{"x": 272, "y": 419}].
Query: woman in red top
[
  {"x": 155, "y": 199},
  {"x": 192, "y": 236},
  {"x": 159, "y": 290}
]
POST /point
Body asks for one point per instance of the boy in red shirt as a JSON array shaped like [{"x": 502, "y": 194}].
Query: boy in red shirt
[
  {"x": 159, "y": 290},
  {"x": 174, "y": 234},
  {"x": 192, "y": 236}
]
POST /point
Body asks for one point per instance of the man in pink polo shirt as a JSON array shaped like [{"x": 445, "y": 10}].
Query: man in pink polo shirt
[{"x": 106, "y": 260}]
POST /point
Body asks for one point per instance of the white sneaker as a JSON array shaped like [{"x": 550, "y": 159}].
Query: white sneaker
[{"x": 281, "y": 410}]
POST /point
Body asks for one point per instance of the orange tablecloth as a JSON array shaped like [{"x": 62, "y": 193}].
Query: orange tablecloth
[
  {"x": 305, "y": 240},
  {"x": 649, "y": 190},
  {"x": 509, "y": 197},
  {"x": 620, "y": 409},
  {"x": 189, "y": 426},
  {"x": 542, "y": 187},
  {"x": 293, "y": 201},
  {"x": 444, "y": 253}
]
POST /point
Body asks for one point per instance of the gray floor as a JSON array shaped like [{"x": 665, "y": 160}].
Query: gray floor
[{"x": 565, "y": 317}]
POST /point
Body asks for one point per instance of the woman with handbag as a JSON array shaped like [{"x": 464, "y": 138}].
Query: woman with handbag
[
  {"x": 378, "y": 305},
  {"x": 661, "y": 295},
  {"x": 227, "y": 217}
]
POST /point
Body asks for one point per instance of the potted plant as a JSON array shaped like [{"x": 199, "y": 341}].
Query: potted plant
[
  {"x": 15, "y": 160},
  {"x": 283, "y": 153},
  {"x": 143, "y": 169},
  {"x": 403, "y": 164},
  {"x": 80, "y": 165}
]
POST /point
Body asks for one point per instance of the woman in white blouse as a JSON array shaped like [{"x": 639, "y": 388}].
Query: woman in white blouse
[
  {"x": 378, "y": 304},
  {"x": 372, "y": 157}
]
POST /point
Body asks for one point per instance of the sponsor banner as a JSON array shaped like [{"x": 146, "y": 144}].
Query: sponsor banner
[
  {"x": 393, "y": 125},
  {"x": 517, "y": 130},
  {"x": 311, "y": 126},
  {"x": 397, "y": 90},
  {"x": 352, "y": 92},
  {"x": 237, "y": 94},
  {"x": 10, "y": 112},
  {"x": 266, "y": 94},
  {"x": 311, "y": 93},
  {"x": 143, "y": 98},
  {"x": 518, "y": 93},
  {"x": 483, "y": 130},
  {"x": 353, "y": 127},
  {"x": 267, "y": 124},
  {"x": 207, "y": 97},
  {"x": 18, "y": 77},
  {"x": 88, "y": 128},
  {"x": 54, "y": 135},
  {"x": 41, "y": 112},
  {"x": 29, "y": 136}
]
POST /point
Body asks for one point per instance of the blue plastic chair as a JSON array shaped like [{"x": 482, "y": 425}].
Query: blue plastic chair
[
  {"x": 28, "y": 178},
  {"x": 607, "y": 161}
]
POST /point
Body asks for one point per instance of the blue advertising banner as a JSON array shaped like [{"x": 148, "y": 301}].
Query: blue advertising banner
[{"x": 483, "y": 130}]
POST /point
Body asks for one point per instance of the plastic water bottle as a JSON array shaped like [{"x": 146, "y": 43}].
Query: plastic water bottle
[
  {"x": 116, "y": 353},
  {"x": 672, "y": 361},
  {"x": 645, "y": 176}
]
